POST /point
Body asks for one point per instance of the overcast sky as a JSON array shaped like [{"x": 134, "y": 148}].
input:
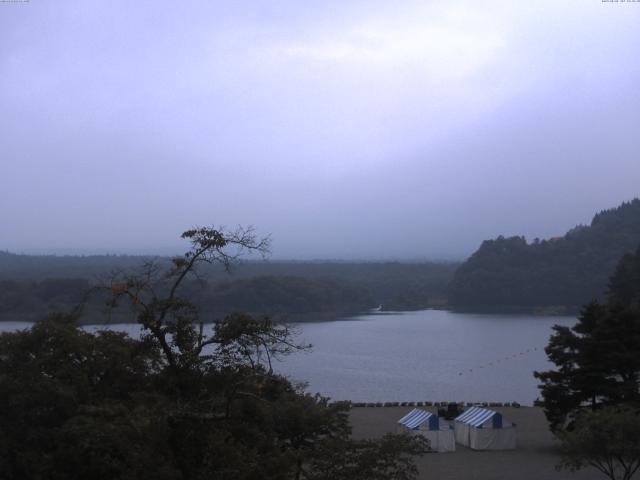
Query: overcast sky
[{"x": 345, "y": 129}]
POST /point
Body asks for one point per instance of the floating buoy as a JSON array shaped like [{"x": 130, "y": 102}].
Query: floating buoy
[{"x": 499, "y": 360}]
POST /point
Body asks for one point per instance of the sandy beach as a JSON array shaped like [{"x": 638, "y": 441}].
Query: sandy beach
[{"x": 534, "y": 458}]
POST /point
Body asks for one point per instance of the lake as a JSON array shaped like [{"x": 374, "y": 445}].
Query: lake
[{"x": 432, "y": 355}]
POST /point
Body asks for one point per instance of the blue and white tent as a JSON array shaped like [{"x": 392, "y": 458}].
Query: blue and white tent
[
  {"x": 427, "y": 424},
  {"x": 483, "y": 429}
]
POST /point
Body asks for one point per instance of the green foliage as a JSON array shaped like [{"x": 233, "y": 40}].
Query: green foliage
[
  {"x": 566, "y": 271},
  {"x": 62, "y": 387},
  {"x": 598, "y": 359},
  {"x": 606, "y": 439},
  {"x": 183, "y": 402},
  {"x": 30, "y": 298},
  {"x": 297, "y": 291},
  {"x": 387, "y": 459},
  {"x": 598, "y": 362},
  {"x": 624, "y": 285},
  {"x": 293, "y": 296}
]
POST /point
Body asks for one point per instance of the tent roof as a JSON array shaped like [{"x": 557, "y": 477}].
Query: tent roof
[
  {"x": 415, "y": 418},
  {"x": 475, "y": 416}
]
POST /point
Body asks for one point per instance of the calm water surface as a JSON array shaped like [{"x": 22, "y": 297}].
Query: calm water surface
[{"x": 426, "y": 355}]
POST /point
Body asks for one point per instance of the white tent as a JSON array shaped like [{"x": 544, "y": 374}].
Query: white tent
[
  {"x": 439, "y": 434},
  {"x": 484, "y": 429}
]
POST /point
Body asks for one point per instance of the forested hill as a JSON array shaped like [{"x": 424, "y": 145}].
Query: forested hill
[
  {"x": 31, "y": 286},
  {"x": 568, "y": 271}
]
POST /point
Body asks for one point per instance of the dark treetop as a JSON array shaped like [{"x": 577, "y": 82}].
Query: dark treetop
[{"x": 567, "y": 271}]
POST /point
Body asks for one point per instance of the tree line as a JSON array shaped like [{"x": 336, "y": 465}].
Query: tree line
[
  {"x": 184, "y": 401},
  {"x": 568, "y": 271},
  {"x": 295, "y": 291},
  {"x": 592, "y": 398}
]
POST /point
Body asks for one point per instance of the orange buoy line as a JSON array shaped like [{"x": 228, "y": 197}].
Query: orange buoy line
[{"x": 508, "y": 357}]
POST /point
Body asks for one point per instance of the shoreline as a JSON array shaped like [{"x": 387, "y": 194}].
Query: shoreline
[
  {"x": 535, "y": 457},
  {"x": 302, "y": 318},
  {"x": 436, "y": 404}
]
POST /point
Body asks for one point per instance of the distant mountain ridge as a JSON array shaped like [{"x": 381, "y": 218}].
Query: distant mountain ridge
[{"x": 566, "y": 271}]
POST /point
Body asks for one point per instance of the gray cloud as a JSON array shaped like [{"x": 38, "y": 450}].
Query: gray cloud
[{"x": 347, "y": 129}]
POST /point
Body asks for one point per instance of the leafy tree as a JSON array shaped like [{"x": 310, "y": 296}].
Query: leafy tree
[
  {"x": 598, "y": 359},
  {"x": 31, "y": 286},
  {"x": 624, "y": 284},
  {"x": 61, "y": 387},
  {"x": 607, "y": 439},
  {"x": 153, "y": 293},
  {"x": 388, "y": 458},
  {"x": 183, "y": 402}
]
